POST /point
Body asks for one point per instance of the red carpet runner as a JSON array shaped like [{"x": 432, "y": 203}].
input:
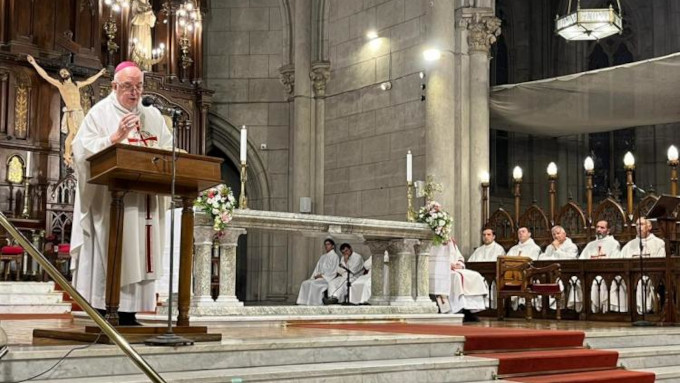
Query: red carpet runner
[{"x": 524, "y": 355}]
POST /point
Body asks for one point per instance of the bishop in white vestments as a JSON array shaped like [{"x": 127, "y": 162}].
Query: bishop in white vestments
[
  {"x": 119, "y": 118},
  {"x": 468, "y": 288}
]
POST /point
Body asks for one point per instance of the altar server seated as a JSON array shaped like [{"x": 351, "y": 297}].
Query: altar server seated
[
  {"x": 360, "y": 291},
  {"x": 312, "y": 290},
  {"x": 350, "y": 263}
]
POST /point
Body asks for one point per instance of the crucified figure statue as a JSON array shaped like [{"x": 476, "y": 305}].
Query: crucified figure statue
[{"x": 70, "y": 93}]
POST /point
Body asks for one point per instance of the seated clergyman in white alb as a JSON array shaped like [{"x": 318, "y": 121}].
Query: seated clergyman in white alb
[
  {"x": 561, "y": 247},
  {"x": 648, "y": 245},
  {"x": 352, "y": 266},
  {"x": 604, "y": 246},
  {"x": 468, "y": 288},
  {"x": 360, "y": 291},
  {"x": 312, "y": 290},
  {"x": 489, "y": 251},
  {"x": 526, "y": 246}
]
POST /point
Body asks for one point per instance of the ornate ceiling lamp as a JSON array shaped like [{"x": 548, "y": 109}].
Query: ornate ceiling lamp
[{"x": 589, "y": 24}]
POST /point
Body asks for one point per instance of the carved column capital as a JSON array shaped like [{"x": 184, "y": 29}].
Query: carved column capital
[
  {"x": 482, "y": 32},
  {"x": 320, "y": 74},
  {"x": 229, "y": 236},
  {"x": 423, "y": 247},
  {"x": 287, "y": 78}
]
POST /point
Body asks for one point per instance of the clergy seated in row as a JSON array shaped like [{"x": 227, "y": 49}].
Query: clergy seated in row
[
  {"x": 526, "y": 246},
  {"x": 313, "y": 289},
  {"x": 350, "y": 268},
  {"x": 489, "y": 251},
  {"x": 459, "y": 289},
  {"x": 561, "y": 247}
]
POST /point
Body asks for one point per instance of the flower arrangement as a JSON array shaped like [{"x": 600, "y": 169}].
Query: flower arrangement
[
  {"x": 219, "y": 203},
  {"x": 439, "y": 221}
]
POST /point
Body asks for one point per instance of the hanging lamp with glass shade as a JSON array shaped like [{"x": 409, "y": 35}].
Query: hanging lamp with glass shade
[{"x": 589, "y": 23}]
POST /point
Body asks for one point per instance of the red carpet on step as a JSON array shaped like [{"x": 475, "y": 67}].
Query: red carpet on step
[{"x": 524, "y": 355}]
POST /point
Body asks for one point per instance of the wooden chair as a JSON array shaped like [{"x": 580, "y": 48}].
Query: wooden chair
[
  {"x": 516, "y": 276},
  {"x": 11, "y": 253}
]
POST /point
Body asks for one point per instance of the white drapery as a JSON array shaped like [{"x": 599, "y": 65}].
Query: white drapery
[{"x": 636, "y": 94}]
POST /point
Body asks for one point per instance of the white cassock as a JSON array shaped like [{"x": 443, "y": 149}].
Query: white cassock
[
  {"x": 360, "y": 291},
  {"x": 468, "y": 288},
  {"x": 656, "y": 248},
  {"x": 311, "y": 290},
  {"x": 567, "y": 250},
  {"x": 527, "y": 249},
  {"x": 487, "y": 253},
  {"x": 337, "y": 287},
  {"x": 599, "y": 294},
  {"x": 90, "y": 234},
  {"x": 440, "y": 270}
]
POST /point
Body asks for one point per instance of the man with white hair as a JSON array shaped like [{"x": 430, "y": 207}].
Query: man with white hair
[
  {"x": 561, "y": 247},
  {"x": 526, "y": 247},
  {"x": 118, "y": 118}
]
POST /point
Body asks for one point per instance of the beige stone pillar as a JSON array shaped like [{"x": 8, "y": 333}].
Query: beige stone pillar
[
  {"x": 320, "y": 74},
  {"x": 401, "y": 258},
  {"x": 422, "y": 249},
  {"x": 439, "y": 109},
  {"x": 203, "y": 243},
  {"x": 378, "y": 248},
  {"x": 482, "y": 28},
  {"x": 228, "y": 245},
  {"x": 302, "y": 144}
]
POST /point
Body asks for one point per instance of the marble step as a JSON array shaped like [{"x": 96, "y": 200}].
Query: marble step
[
  {"x": 434, "y": 369},
  {"x": 31, "y": 298},
  {"x": 669, "y": 374},
  {"x": 231, "y": 354},
  {"x": 26, "y": 287},
  {"x": 649, "y": 357},
  {"x": 54, "y": 308},
  {"x": 627, "y": 337}
]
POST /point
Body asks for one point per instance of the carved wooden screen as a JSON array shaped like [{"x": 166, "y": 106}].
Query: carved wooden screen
[
  {"x": 572, "y": 218},
  {"x": 502, "y": 224},
  {"x": 60, "y": 199},
  {"x": 612, "y": 212},
  {"x": 537, "y": 222}
]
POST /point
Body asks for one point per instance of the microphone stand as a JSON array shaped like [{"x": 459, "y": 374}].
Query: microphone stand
[
  {"x": 349, "y": 285},
  {"x": 644, "y": 322},
  {"x": 170, "y": 338}
]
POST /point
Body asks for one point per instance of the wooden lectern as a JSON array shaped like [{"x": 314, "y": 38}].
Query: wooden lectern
[
  {"x": 662, "y": 211},
  {"x": 125, "y": 168}
]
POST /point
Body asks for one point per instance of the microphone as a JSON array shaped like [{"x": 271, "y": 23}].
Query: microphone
[
  {"x": 152, "y": 101},
  {"x": 635, "y": 187}
]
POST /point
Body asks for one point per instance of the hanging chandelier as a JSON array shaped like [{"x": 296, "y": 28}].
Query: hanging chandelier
[{"x": 589, "y": 24}]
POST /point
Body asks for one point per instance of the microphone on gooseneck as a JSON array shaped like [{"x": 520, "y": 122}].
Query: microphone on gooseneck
[{"x": 152, "y": 101}]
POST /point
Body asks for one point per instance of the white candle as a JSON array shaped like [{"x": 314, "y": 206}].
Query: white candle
[
  {"x": 29, "y": 159},
  {"x": 244, "y": 143},
  {"x": 409, "y": 167}
]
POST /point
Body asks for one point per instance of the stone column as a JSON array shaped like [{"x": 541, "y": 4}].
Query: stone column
[
  {"x": 300, "y": 249},
  {"x": 423, "y": 272},
  {"x": 439, "y": 109},
  {"x": 320, "y": 74},
  {"x": 482, "y": 28},
  {"x": 378, "y": 248},
  {"x": 228, "y": 245},
  {"x": 203, "y": 243},
  {"x": 401, "y": 256}
]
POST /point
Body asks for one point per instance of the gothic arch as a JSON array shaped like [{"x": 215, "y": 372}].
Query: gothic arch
[
  {"x": 226, "y": 137},
  {"x": 287, "y": 33}
]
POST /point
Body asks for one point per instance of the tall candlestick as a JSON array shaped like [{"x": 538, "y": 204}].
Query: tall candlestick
[
  {"x": 409, "y": 167},
  {"x": 244, "y": 143},
  {"x": 29, "y": 160}
]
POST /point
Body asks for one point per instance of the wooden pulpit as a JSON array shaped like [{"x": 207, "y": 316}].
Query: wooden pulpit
[{"x": 125, "y": 168}]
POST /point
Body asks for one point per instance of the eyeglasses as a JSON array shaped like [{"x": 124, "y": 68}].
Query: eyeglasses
[{"x": 127, "y": 87}]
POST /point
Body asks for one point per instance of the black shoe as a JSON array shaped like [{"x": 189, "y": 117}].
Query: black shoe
[
  {"x": 469, "y": 317},
  {"x": 128, "y": 319},
  {"x": 330, "y": 301}
]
